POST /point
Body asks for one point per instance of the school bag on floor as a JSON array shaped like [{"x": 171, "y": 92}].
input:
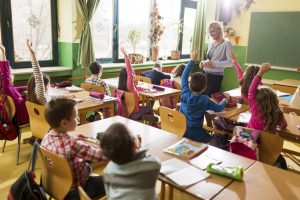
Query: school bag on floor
[
  {"x": 25, "y": 187},
  {"x": 8, "y": 128},
  {"x": 244, "y": 143},
  {"x": 168, "y": 102}
]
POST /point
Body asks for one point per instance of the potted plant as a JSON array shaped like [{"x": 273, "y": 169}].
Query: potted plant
[
  {"x": 175, "y": 54},
  {"x": 134, "y": 37}
]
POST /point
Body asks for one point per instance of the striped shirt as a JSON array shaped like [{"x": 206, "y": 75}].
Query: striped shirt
[
  {"x": 41, "y": 95},
  {"x": 95, "y": 80},
  {"x": 76, "y": 151}
]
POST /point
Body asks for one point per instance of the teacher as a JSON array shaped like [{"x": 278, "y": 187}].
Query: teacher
[{"x": 217, "y": 58}]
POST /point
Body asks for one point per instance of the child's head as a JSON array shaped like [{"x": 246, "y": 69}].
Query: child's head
[
  {"x": 246, "y": 81},
  {"x": 178, "y": 70},
  {"x": 198, "y": 82},
  {"x": 269, "y": 107},
  {"x": 95, "y": 68},
  {"x": 118, "y": 144},
  {"x": 61, "y": 114},
  {"x": 158, "y": 65},
  {"x": 122, "y": 80},
  {"x": 31, "y": 95}
]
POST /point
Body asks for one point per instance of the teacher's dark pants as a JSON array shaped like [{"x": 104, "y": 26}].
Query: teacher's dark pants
[{"x": 213, "y": 83}]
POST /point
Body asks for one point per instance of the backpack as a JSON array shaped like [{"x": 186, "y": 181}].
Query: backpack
[
  {"x": 168, "y": 102},
  {"x": 244, "y": 143},
  {"x": 25, "y": 187},
  {"x": 8, "y": 129},
  {"x": 119, "y": 94}
]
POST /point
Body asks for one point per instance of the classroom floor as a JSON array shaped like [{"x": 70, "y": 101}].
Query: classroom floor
[{"x": 10, "y": 171}]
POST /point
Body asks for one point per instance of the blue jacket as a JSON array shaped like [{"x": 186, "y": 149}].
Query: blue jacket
[
  {"x": 155, "y": 76},
  {"x": 194, "y": 106}
]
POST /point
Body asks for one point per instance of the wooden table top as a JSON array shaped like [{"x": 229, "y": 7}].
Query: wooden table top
[
  {"x": 288, "y": 82},
  {"x": 87, "y": 103},
  {"x": 208, "y": 188},
  {"x": 262, "y": 181},
  {"x": 148, "y": 134}
]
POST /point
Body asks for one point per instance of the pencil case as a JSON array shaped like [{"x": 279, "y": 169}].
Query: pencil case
[
  {"x": 64, "y": 84},
  {"x": 96, "y": 95},
  {"x": 158, "y": 88},
  {"x": 231, "y": 172}
]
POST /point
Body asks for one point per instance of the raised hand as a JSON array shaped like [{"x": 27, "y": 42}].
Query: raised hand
[
  {"x": 264, "y": 68},
  {"x": 124, "y": 52},
  {"x": 194, "y": 55},
  {"x": 29, "y": 45},
  {"x": 2, "y": 53}
]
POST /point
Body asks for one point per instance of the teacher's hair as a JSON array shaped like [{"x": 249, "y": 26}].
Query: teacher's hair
[{"x": 215, "y": 26}]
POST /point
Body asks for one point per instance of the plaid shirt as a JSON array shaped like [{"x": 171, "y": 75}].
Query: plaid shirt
[
  {"x": 95, "y": 80},
  {"x": 76, "y": 151}
]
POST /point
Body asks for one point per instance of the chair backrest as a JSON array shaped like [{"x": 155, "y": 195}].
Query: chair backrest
[
  {"x": 143, "y": 79},
  {"x": 9, "y": 107},
  {"x": 89, "y": 87},
  {"x": 270, "y": 146},
  {"x": 177, "y": 85},
  {"x": 289, "y": 110},
  {"x": 38, "y": 124},
  {"x": 129, "y": 101},
  {"x": 172, "y": 121},
  {"x": 82, "y": 194},
  {"x": 56, "y": 174}
]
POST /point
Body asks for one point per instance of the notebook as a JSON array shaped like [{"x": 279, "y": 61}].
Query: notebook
[
  {"x": 182, "y": 173},
  {"x": 244, "y": 118},
  {"x": 186, "y": 148},
  {"x": 203, "y": 160},
  {"x": 73, "y": 88}
]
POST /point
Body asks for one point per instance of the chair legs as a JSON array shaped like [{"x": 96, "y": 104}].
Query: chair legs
[
  {"x": 18, "y": 150},
  {"x": 3, "y": 148}
]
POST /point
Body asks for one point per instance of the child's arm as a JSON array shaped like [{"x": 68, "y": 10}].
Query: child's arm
[
  {"x": 255, "y": 83},
  {"x": 106, "y": 89},
  {"x": 86, "y": 151},
  {"x": 39, "y": 81},
  {"x": 186, "y": 72},
  {"x": 237, "y": 66},
  {"x": 2, "y": 51},
  {"x": 217, "y": 107}
]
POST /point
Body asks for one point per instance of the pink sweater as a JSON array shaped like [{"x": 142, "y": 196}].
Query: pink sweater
[
  {"x": 14, "y": 92},
  {"x": 130, "y": 84},
  {"x": 257, "y": 119}
]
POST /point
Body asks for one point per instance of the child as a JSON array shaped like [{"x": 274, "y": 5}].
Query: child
[
  {"x": 126, "y": 83},
  {"x": 264, "y": 107},
  {"x": 156, "y": 74},
  {"x": 194, "y": 104},
  {"x": 246, "y": 78},
  {"x": 130, "y": 174},
  {"x": 96, "y": 71},
  {"x": 61, "y": 115},
  {"x": 8, "y": 89},
  {"x": 177, "y": 73}
]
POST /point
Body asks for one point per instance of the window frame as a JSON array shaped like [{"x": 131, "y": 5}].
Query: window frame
[{"x": 8, "y": 41}]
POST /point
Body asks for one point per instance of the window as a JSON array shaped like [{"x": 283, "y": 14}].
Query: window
[
  {"x": 170, "y": 11},
  {"x": 188, "y": 31},
  {"x": 102, "y": 30},
  {"x": 134, "y": 15},
  {"x": 29, "y": 19}
]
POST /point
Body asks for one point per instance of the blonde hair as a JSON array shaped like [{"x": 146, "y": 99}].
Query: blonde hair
[
  {"x": 269, "y": 107},
  {"x": 214, "y": 26}
]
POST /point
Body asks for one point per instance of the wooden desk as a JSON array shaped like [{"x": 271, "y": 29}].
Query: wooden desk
[
  {"x": 88, "y": 104},
  {"x": 146, "y": 97},
  {"x": 149, "y": 134},
  {"x": 263, "y": 181},
  {"x": 208, "y": 188},
  {"x": 291, "y": 133},
  {"x": 286, "y": 85}
]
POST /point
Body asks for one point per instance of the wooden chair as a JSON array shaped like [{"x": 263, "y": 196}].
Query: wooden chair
[
  {"x": 143, "y": 79},
  {"x": 270, "y": 146},
  {"x": 89, "y": 87},
  {"x": 172, "y": 121},
  {"x": 209, "y": 126},
  {"x": 11, "y": 111},
  {"x": 38, "y": 124},
  {"x": 56, "y": 174},
  {"x": 129, "y": 102},
  {"x": 290, "y": 110}
]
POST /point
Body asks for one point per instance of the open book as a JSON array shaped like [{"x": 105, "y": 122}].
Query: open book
[
  {"x": 182, "y": 173},
  {"x": 186, "y": 148}
]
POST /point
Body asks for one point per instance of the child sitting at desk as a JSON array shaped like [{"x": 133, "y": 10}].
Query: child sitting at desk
[
  {"x": 177, "y": 73},
  {"x": 156, "y": 74},
  {"x": 130, "y": 174},
  {"x": 126, "y": 83},
  {"x": 61, "y": 115},
  {"x": 265, "y": 110},
  {"x": 95, "y": 79},
  {"x": 194, "y": 104}
]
